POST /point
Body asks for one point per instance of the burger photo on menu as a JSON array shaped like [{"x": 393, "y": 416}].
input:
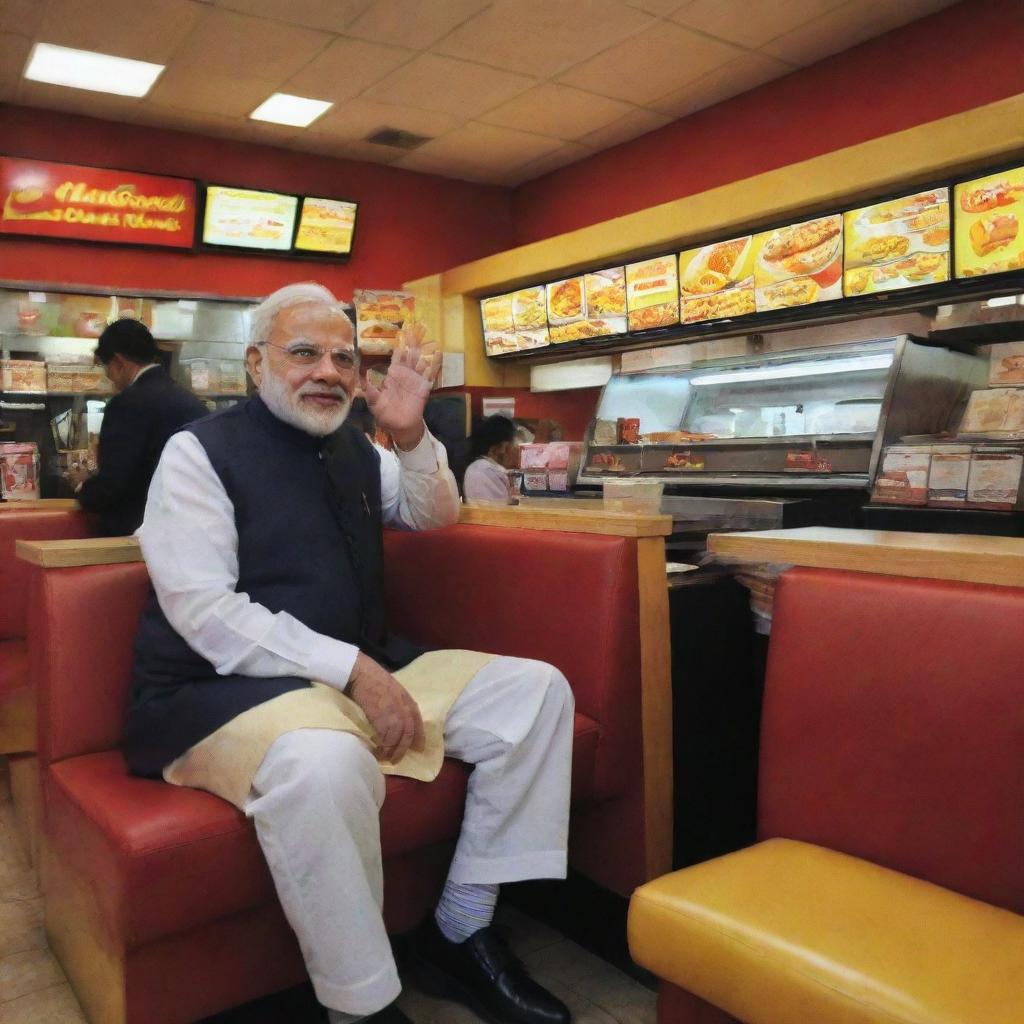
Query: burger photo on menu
[
  {"x": 379, "y": 318},
  {"x": 717, "y": 281},
  {"x": 499, "y": 333},
  {"x": 652, "y": 293},
  {"x": 901, "y": 243},
  {"x": 799, "y": 264},
  {"x": 988, "y": 215}
]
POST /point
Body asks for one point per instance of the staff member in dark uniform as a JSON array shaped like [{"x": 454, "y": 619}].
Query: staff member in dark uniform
[{"x": 148, "y": 408}]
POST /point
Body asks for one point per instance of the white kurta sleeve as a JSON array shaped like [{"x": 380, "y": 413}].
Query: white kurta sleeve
[
  {"x": 417, "y": 490},
  {"x": 190, "y": 545}
]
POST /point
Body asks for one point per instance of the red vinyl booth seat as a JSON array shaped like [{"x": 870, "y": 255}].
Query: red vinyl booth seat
[
  {"x": 158, "y": 900},
  {"x": 17, "y": 712},
  {"x": 893, "y": 733}
]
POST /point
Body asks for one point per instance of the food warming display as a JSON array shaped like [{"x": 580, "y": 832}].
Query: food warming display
[
  {"x": 988, "y": 216},
  {"x": 901, "y": 243},
  {"x": 816, "y": 417}
]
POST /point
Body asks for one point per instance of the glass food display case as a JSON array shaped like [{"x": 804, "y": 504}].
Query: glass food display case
[
  {"x": 805, "y": 419},
  {"x": 52, "y": 391}
]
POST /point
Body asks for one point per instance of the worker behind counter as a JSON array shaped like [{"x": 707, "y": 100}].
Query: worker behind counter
[
  {"x": 147, "y": 409},
  {"x": 493, "y": 452}
]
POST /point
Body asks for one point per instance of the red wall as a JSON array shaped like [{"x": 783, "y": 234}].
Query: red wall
[
  {"x": 572, "y": 409},
  {"x": 409, "y": 224},
  {"x": 961, "y": 57}
]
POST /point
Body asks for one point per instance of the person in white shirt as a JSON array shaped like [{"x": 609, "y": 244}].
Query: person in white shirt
[
  {"x": 265, "y": 673},
  {"x": 492, "y": 449}
]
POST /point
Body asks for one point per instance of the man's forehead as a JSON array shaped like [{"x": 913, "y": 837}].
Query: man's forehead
[{"x": 312, "y": 316}]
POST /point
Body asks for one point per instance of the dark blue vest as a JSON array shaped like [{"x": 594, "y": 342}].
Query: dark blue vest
[{"x": 307, "y": 512}]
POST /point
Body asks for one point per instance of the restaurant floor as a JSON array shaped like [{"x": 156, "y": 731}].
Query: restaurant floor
[{"x": 33, "y": 989}]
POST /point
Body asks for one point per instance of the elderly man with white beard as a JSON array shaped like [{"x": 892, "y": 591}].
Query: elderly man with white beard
[{"x": 264, "y": 671}]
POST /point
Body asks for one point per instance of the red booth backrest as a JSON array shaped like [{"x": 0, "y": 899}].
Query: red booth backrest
[
  {"x": 566, "y": 598},
  {"x": 14, "y": 573},
  {"x": 893, "y": 726},
  {"x": 82, "y": 681}
]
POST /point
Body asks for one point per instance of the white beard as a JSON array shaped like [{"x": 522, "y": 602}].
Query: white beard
[{"x": 288, "y": 406}]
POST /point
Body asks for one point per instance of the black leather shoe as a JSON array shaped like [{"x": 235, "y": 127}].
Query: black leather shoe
[{"x": 483, "y": 974}]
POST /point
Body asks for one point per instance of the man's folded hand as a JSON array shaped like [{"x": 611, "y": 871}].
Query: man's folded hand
[{"x": 392, "y": 713}]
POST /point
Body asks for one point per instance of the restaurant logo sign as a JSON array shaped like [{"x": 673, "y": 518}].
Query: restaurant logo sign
[{"x": 92, "y": 204}]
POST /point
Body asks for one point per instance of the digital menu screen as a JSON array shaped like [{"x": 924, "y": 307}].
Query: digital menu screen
[
  {"x": 799, "y": 264},
  {"x": 247, "y": 219},
  {"x": 326, "y": 225},
  {"x": 717, "y": 281},
  {"x": 515, "y": 322},
  {"x": 987, "y": 215},
  {"x": 901, "y": 243},
  {"x": 652, "y": 293}
]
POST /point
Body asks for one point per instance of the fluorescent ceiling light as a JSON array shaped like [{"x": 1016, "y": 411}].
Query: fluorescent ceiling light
[
  {"x": 83, "y": 69},
  {"x": 815, "y": 369},
  {"x": 1002, "y": 300},
  {"x": 296, "y": 111}
]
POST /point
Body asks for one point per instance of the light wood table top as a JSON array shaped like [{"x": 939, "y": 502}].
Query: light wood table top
[
  {"x": 570, "y": 520},
  {"x": 963, "y": 557}
]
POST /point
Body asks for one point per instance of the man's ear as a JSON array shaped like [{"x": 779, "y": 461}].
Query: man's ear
[{"x": 254, "y": 363}]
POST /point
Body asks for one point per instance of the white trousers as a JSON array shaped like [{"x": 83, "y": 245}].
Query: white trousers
[{"x": 316, "y": 798}]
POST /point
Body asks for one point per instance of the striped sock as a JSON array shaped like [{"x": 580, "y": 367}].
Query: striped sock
[{"x": 465, "y": 908}]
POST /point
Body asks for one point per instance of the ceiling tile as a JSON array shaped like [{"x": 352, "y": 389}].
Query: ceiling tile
[
  {"x": 750, "y": 24},
  {"x": 76, "y": 101},
  {"x": 423, "y": 163},
  {"x": 210, "y": 93},
  {"x": 739, "y": 75},
  {"x": 184, "y": 120},
  {"x": 570, "y": 153},
  {"x": 358, "y": 118},
  {"x": 22, "y": 17},
  {"x": 328, "y": 15},
  {"x": 451, "y": 86},
  {"x": 14, "y": 52},
  {"x": 150, "y": 31},
  {"x": 345, "y": 69},
  {"x": 633, "y": 125},
  {"x": 364, "y": 151},
  {"x": 412, "y": 23},
  {"x": 487, "y": 146},
  {"x": 662, "y": 8},
  {"x": 228, "y": 44},
  {"x": 536, "y": 37},
  {"x": 651, "y": 64},
  {"x": 846, "y": 26},
  {"x": 558, "y": 110}
]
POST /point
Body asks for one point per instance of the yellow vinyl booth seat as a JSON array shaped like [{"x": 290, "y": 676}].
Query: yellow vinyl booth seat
[{"x": 785, "y": 932}]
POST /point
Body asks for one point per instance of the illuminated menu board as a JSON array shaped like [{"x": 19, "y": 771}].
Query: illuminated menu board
[
  {"x": 652, "y": 293},
  {"x": 987, "y": 214},
  {"x": 247, "y": 219},
  {"x": 326, "y": 225},
  {"x": 515, "y": 322},
  {"x": 901, "y": 243},
  {"x": 799, "y": 264},
  {"x": 717, "y": 281}
]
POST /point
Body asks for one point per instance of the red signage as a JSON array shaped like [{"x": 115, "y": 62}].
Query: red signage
[{"x": 90, "y": 204}]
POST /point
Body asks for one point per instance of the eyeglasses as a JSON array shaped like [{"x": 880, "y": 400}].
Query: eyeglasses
[{"x": 302, "y": 353}]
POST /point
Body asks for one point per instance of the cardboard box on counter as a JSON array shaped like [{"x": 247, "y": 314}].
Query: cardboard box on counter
[
  {"x": 903, "y": 477},
  {"x": 947, "y": 476},
  {"x": 994, "y": 481}
]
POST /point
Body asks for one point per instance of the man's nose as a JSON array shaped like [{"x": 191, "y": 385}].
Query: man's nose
[{"x": 325, "y": 370}]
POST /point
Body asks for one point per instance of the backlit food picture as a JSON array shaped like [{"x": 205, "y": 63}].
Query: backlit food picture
[
  {"x": 717, "y": 281},
  {"x": 987, "y": 215},
  {"x": 379, "y": 318},
  {"x": 901, "y": 243},
  {"x": 499, "y": 331},
  {"x": 652, "y": 293},
  {"x": 799, "y": 264},
  {"x": 530, "y": 317},
  {"x": 579, "y": 308},
  {"x": 326, "y": 225}
]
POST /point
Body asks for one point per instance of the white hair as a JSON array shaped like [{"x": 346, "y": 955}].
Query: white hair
[{"x": 261, "y": 317}]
